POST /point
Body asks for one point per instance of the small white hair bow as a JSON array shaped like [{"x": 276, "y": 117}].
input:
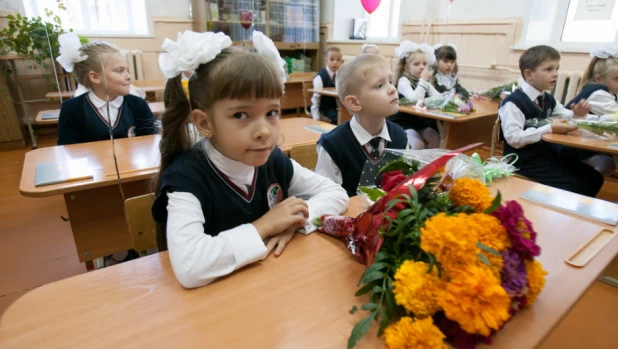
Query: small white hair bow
[
  {"x": 605, "y": 51},
  {"x": 190, "y": 50},
  {"x": 407, "y": 46},
  {"x": 69, "y": 51},
  {"x": 438, "y": 45}
]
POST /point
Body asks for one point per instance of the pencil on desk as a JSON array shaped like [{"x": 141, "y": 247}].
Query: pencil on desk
[{"x": 131, "y": 171}]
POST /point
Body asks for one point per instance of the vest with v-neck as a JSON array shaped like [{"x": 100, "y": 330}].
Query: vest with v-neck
[
  {"x": 81, "y": 122},
  {"x": 225, "y": 206}
]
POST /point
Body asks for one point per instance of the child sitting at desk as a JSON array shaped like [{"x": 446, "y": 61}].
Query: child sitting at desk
[
  {"x": 365, "y": 87},
  {"x": 446, "y": 69},
  {"x": 547, "y": 163},
  {"x": 413, "y": 74},
  {"x": 229, "y": 200},
  {"x": 108, "y": 108},
  {"x": 323, "y": 107}
]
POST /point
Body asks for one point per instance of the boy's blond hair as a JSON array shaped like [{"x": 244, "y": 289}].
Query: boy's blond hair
[{"x": 352, "y": 74}]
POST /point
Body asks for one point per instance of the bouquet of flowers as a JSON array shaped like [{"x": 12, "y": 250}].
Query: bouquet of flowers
[
  {"x": 605, "y": 128},
  {"x": 499, "y": 93},
  {"x": 445, "y": 263},
  {"x": 449, "y": 102}
]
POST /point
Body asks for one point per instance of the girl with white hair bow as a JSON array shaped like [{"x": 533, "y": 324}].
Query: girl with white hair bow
[{"x": 230, "y": 199}]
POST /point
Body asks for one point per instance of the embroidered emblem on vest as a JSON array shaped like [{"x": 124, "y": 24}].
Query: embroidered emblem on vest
[
  {"x": 131, "y": 132},
  {"x": 274, "y": 195}
]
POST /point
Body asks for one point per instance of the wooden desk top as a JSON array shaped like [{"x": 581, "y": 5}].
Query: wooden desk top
[
  {"x": 329, "y": 91},
  {"x": 483, "y": 108},
  {"x": 595, "y": 144},
  {"x": 140, "y": 155},
  {"x": 57, "y": 95},
  {"x": 300, "y": 299},
  {"x": 297, "y": 80}
]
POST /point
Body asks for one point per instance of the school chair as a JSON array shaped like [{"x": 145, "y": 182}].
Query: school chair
[
  {"x": 495, "y": 139},
  {"x": 307, "y": 85},
  {"x": 567, "y": 85},
  {"x": 142, "y": 226},
  {"x": 306, "y": 155}
]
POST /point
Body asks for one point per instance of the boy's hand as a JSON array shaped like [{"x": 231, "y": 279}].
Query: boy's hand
[
  {"x": 562, "y": 128},
  {"x": 290, "y": 212},
  {"x": 582, "y": 108},
  {"x": 281, "y": 240},
  {"x": 425, "y": 74}
]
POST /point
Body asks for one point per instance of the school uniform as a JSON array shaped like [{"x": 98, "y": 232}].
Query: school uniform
[
  {"x": 414, "y": 90},
  {"x": 324, "y": 105},
  {"x": 600, "y": 99},
  {"x": 85, "y": 119},
  {"x": 208, "y": 202},
  {"x": 445, "y": 83},
  {"x": 547, "y": 163},
  {"x": 348, "y": 150}
]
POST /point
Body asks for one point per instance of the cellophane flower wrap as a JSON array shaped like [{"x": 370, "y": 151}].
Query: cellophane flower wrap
[{"x": 443, "y": 267}]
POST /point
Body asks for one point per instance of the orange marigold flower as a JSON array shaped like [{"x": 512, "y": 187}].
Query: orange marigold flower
[
  {"x": 451, "y": 239},
  {"x": 417, "y": 334},
  {"x": 536, "y": 280},
  {"x": 416, "y": 290},
  {"x": 470, "y": 192}
]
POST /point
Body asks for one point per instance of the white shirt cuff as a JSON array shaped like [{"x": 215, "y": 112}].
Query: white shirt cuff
[{"x": 248, "y": 246}]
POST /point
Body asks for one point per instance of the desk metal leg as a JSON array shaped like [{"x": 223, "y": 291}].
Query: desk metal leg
[
  {"x": 609, "y": 280},
  {"x": 442, "y": 132},
  {"x": 99, "y": 263}
]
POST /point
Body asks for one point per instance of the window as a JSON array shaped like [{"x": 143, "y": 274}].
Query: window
[
  {"x": 378, "y": 22},
  {"x": 96, "y": 17},
  {"x": 576, "y": 25}
]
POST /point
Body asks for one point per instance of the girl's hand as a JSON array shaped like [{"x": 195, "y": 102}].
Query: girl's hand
[
  {"x": 425, "y": 74},
  {"x": 290, "y": 212},
  {"x": 582, "y": 108},
  {"x": 562, "y": 128},
  {"x": 279, "y": 241}
]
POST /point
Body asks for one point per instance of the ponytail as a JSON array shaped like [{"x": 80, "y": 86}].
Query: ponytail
[{"x": 175, "y": 137}]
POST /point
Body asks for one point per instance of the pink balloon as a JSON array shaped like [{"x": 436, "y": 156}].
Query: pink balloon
[
  {"x": 370, "y": 5},
  {"x": 246, "y": 19}
]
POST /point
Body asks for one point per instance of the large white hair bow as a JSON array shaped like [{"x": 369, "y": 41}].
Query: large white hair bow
[
  {"x": 438, "y": 45},
  {"x": 408, "y": 46},
  {"x": 69, "y": 51},
  {"x": 190, "y": 50},
  {"x": 605, "y": 51},
  {"x": 265, "y": 46}
]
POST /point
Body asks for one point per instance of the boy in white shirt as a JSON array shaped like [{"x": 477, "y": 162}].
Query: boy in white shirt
[
  {"x": 323, "y": 107},
  {"x": 547, "y": 163},
  {"x": 365, "y": 87}
]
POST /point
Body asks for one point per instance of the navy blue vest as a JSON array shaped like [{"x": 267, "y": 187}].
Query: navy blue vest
[
  {"x": 530, "y": 111},
  {"x": 586, "y": 92},
  {"x": 223, "y": 204},
  {"x": 80, "y": 121},
  {"x": 348, "y": 153},
  {"x": 327, "y": 103}
]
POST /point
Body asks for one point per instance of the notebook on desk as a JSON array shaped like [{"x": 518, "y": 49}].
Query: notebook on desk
[
  {"x": 318, "y": 129},
  {"x": 62, "y": 171},
  {"x": 49, "y": 116},
  {"x": 579, "y": 205}
]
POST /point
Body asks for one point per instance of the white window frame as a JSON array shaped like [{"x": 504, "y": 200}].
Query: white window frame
[
  {"x": 32, "y": 11},
  {"x": 556, "y": 33},
  {"x": 393, "y": 18}
]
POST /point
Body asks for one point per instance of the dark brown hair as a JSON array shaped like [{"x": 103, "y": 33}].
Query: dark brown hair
[
  {"x": 534, "y": 56},
  {"x": 235, "y": 73},
  {"x": 446, "y": 53}
]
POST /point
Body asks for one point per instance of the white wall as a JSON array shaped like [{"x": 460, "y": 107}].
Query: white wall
[
  {"x": 419, "y": 9},
  {"x": 157, "y": 8}
]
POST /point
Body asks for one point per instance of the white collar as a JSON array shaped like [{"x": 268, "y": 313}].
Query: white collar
[
  {"x": 99, "y": 103},
  {"x": 236, "y": 171},
  {"x": 362, "y": 136},
  {"x": 530, "y": 91},
  {"x": 330, "y": 72}
]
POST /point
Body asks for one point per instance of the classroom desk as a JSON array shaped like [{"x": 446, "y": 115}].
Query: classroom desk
[
  {"x": 294, "y": 97},
  {"x": 458, "y": 130},
  {"x": 95, "y": 206},
  {"x": 157, "y": 108},
  {"x": 595, "y": 144},
  {"x": 344, "y": 114},
  {"x": 300, "y": 299}
]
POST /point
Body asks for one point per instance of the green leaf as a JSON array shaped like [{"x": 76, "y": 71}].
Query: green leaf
[
  {"x": 380, "y": 256},
  {"x": 363, "y": 290},
  {"x": 369, "y": 306},
  {"x": 494, "y": 204},
  {"x": 376, "y": 266},
  {"x": 373, "y": 193},
  {"x": 384, "y": 321},
  {"x": 488, "y": 249},
  {"x": 376, "y": 289},
  {"x": 353, "y": 310},
  {"x": 484, "y": 259},
  {"x": 360, "y": 330},
  {"x": 371, "y": 276}
]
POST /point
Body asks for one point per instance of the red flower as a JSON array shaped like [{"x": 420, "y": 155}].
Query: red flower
[
  {"x": 391, "y": 179},
  {"x": 523, "y": 236}
]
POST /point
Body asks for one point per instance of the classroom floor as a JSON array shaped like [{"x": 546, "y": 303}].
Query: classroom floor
[{"x": 36, "y": 248}]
